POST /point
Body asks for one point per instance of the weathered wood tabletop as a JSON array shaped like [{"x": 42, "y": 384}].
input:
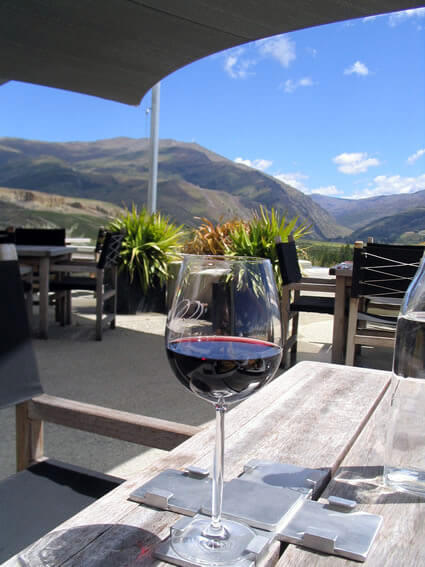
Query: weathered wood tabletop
[{"x": 315, "y": 415}]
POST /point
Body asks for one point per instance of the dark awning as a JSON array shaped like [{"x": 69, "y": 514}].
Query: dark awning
[{"x": 118, "y": 49}]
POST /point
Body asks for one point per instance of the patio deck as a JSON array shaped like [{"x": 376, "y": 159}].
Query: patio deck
[{"x": 128, "y": 370}]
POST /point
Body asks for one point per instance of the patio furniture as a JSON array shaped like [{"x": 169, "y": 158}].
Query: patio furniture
[
  {"x": 314, "y": 415},
  {"x": 8, "y": 252},
  {"x": 46, "y": 492},
  {"x": 41, "y": 258},
  {"x": 40, "y": 236},
  {"x": 380, "y": 277},
  {"x": 293, "y": 302},
  {"x": 95, "y": 282},
  {"x": 7, "y": 236}
]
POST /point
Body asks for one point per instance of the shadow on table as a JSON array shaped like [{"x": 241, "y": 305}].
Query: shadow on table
[
  {"x": 365, "y": 485},
  {"x": 122, "y": 545}
]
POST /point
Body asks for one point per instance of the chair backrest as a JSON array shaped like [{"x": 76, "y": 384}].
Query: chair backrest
[
  {"x": 100, "y": 240},
  {"x": 384, "y": 270},
  {"x": 111, "y": 250},
  {"x": 40, "y": 236},
  {"x": 19, "y": 379},
  {"x": 288, "y": 262},
  {"x": 7, "y": 236}
]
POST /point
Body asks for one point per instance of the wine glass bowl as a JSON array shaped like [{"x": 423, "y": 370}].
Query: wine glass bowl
[{"x": 223, "y": 342}]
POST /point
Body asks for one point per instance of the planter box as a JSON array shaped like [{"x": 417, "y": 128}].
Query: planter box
[{"x": 131, "y": 300}]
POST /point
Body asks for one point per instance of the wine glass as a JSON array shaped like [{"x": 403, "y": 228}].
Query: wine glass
[{"x": 223, "y": 339}]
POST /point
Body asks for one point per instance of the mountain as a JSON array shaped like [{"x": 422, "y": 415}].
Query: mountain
[
  {"x": 192, "y": 181},
  {"x": 80, "y": 217},
  {"x": 406, "y": 227},
  {"x": 357, "y": 213}
]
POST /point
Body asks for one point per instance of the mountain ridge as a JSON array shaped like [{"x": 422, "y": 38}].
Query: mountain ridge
[
  {"x": 192, "y": 181},
  {"x": 355, "y": 213}
]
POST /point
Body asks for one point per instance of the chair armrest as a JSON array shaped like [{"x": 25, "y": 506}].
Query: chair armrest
[
  {"x": 326, "y": 281},
  {"x": 147, "y": 431},
  {"x": 75, "y": 268},
  {"x": 301, "y": 286}
]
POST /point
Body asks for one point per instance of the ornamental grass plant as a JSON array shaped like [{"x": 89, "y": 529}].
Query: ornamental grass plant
[
  {"x": 254, "y": 237},
  {"x": 151, "y": 242}
]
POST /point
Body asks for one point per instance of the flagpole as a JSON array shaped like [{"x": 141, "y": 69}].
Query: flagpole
[{"x": 153, "y": 149}]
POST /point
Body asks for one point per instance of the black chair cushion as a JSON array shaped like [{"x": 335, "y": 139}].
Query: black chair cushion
[
  {"x": 38, "y": 499},
  {"x": 312, "y": 303},
  {"x": 70, "y": 283}
]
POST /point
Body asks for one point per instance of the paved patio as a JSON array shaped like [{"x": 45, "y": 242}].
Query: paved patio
[{"x": 128, "y": 370}]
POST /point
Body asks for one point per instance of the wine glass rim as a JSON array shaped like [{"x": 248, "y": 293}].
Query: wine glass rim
[{"x": 224, "y": 258}]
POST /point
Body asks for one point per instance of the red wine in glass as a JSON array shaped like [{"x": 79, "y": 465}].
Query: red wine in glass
[{"x": 227, "y": 368}]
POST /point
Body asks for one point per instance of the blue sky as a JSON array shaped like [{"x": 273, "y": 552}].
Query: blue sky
[{"x": 338, "y": 109}]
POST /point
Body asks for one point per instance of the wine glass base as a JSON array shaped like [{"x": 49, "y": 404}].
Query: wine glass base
[{"x": 199, "y": 549}]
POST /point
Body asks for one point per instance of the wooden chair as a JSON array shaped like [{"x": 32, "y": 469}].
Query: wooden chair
[
  {"x": 91, "y": 278},
  {"x": 381, "y": 276},
  {"x": 293, "y": 302},
  {"x": 44, "y": 492}
]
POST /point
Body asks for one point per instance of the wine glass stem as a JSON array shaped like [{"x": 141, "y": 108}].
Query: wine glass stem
[
  {"x": 216, "y": 529},
  {"x": 217, "y": 486}
]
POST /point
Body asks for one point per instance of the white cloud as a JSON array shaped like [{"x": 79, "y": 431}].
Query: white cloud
[
  {"x": 392, "y": 185},
  {"x": 290, "y": 85},
  {"x": 236, "y": 66},
  {"x": 330, "y": 190},
  {"x": 281, "y": 48},
  {"x": 399, "y": 17},
  {"x": 411, "y": 159},
  {"x": 369, "y": 19},
  {"x": 355, "y": 162},
  {"x": 357, "y": 68},
  {"x": 297, "y": 180},
  {"x": 261, "y": 164}
]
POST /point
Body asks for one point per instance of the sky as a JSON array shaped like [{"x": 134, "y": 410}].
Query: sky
[{"x": 337, "y": 109}]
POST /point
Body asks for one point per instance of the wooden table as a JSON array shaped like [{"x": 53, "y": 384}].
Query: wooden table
[
  {"x": 343, "y": 287},
  {"x": 315, "y": 415},
  {"x": 40, "y": 257}
]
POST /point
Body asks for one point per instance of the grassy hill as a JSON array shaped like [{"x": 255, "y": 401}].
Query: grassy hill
[
  {"x": 80, "y": 217},
  {"x": 192, "y": 181},
  {"x": 407, "y": 227}
]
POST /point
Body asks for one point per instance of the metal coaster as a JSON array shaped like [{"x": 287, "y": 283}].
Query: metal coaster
[
  {"x": 254, "y": 552},
  {"x": 183, "y": 492},
  {"x": 332, "y": 528},
  {"x": 256, "y": 504},
  {"x": 271, "y": 497},
  {"x": 309, "y": 482}
]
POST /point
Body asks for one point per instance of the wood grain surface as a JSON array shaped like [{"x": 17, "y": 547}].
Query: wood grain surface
[
  {"x": 401, "y": 538},
  {"x": 310, "y": 415}
]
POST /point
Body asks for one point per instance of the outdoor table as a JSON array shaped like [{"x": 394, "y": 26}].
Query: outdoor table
[
  {"x": 343, "y": 276},
  {"x": 40, "y": 258},
  {"x": 313, "y": 415}
]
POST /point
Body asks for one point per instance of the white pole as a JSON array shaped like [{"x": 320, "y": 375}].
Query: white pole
[{"x": 153, "y": 152}]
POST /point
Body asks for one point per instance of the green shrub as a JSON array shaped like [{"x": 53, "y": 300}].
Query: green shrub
[
  {"x": 255, "y": 237},
  {"x": 327, "y": 254},
  {"x": 151, "y": 242}
]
